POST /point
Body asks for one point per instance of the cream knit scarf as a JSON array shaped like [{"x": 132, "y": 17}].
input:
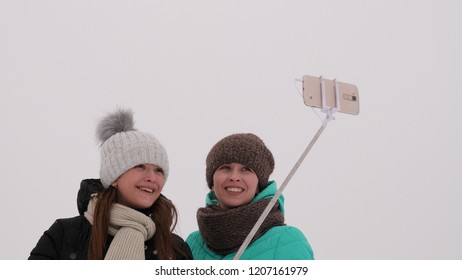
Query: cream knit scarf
[{"x": 130, "y": 229}]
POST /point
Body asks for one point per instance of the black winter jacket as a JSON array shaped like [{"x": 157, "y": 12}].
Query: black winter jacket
[{"x": 69, "y": 238}]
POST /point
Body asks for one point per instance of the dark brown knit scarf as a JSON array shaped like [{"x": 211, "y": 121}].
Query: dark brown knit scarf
[{"x": 225, "y": 230}]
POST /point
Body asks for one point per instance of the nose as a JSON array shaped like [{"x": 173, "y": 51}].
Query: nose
[
  {"x": 234, "y": 176},
  {"x": 151, "y": 175}
]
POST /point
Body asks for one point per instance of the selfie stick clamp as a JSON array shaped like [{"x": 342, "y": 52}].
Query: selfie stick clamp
[
  {"x": 329, "y": 111},
  {"x": 329, "y": 116}
]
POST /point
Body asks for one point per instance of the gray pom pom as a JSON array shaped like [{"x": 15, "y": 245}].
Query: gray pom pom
[{"x": 119, "y": 121}]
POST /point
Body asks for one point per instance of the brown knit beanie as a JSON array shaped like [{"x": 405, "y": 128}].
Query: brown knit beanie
[{"x": 246, "y": 149}]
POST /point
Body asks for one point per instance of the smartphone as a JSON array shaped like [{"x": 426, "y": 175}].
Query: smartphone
[{"x": 348, "y": 94}]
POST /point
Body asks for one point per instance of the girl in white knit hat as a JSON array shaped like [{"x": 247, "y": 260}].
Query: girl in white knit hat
[{"x": 129, "y": 218}]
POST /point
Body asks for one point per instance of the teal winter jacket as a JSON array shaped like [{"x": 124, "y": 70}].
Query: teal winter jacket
[{"x": 278, "y": 243}]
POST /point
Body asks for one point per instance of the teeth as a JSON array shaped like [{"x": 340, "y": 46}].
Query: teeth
[
  {"x": 234, "y": 189},
  {"x": 146, "y": 190}
]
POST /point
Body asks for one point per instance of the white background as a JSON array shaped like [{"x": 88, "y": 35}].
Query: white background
[{"x": 385, "y": 184}]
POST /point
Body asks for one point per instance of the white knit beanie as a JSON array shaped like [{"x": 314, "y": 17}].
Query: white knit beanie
[{"x": 123, "y": 147}]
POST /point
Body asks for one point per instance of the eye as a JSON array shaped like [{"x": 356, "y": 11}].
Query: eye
[
  {"x": 160, "y": 170},
  {"x": 142, "y": 166},
  {"x": 245, "y": 168},
  {"x": 224, "y": 167}
]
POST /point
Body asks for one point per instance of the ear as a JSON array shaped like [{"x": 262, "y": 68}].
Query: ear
[{"x": 114, "y": 184}]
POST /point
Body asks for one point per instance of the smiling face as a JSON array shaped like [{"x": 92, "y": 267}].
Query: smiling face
[
  {"x": 234, "y": 185},
  {"x": 140, "y": 186}
]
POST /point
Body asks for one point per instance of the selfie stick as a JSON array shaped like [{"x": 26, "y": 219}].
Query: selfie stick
[{"x": 329, "y": 116}]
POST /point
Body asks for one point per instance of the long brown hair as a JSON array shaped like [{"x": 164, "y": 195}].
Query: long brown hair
[{"x": 164, "y": 215}]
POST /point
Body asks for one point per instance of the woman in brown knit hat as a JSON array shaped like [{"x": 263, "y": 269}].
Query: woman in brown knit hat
[{"x": 237, "y": 172}]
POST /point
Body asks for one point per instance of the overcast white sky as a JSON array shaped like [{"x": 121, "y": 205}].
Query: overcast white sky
[{"x": 385, "y": 184}]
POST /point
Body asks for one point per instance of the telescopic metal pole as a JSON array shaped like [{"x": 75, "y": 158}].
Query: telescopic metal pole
[{"x": 284, "y": 184}]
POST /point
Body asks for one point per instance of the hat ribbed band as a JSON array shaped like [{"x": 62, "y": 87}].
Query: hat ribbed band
[{"x": 125, "y": 150}]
